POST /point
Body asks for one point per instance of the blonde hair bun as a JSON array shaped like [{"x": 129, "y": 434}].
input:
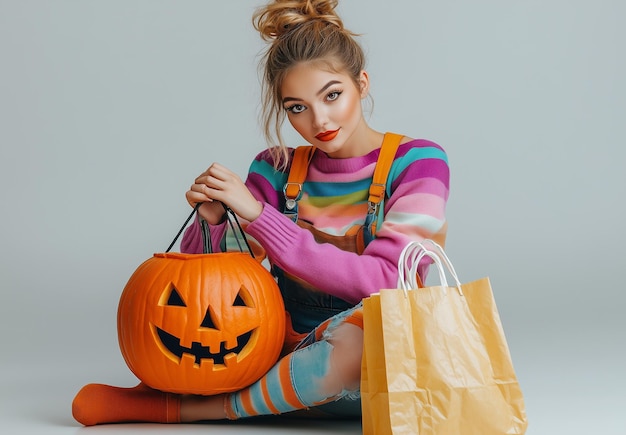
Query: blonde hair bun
[
  {"x": 300, "y": 31},
  {"x": 280, "y": 16}
]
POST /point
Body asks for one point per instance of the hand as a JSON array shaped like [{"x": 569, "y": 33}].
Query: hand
[{"x": 218, "y": 183}]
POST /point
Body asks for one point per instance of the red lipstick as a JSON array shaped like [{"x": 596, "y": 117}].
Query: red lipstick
[{"x": 327, "y": 135}]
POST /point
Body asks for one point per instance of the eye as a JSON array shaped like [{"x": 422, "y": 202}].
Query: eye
[
  {"x": 296, "y": 108},
  {"x": 175, "y": 299},
  {"x": 243, "y": 299},
  {"x": 332, "y": 96},
  {"x": 239, "y": 302}
]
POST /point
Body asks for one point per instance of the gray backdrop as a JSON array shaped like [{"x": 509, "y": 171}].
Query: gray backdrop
[{"x": 109, "y": 109}]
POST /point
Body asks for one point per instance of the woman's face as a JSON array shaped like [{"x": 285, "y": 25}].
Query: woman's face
[{"x": 325, "y": 108}]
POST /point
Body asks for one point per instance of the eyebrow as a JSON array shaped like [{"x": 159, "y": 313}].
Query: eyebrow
[{"x": 321, "y": 91}]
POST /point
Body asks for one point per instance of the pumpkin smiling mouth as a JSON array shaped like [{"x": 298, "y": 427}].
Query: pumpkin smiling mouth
[{"x": 200, "y": 352}]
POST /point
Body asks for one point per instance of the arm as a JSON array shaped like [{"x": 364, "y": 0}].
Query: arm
[{"x": 414, "y": 211}]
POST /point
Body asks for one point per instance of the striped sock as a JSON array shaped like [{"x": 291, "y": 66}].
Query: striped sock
[{"x": 292, "y": 384}]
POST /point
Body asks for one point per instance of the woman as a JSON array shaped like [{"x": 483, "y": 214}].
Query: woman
[{"x": 330, "y": 244}]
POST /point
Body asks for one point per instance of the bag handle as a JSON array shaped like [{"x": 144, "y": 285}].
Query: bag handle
[
  {"x": 208, "y": 248},
  {"x": 410, "y": 258}
]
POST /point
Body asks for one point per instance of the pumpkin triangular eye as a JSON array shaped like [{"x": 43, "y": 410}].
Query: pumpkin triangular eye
[
  {"x": 239, "y": 301},
  {"x": 243, "y": 299},
  {"x": 175, "y": 299}
]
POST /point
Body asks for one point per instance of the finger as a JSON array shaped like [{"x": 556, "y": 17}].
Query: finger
[
  {"x": 219, "y": 172},
  {"x": 192, "y": 198},
  {"x": 215, "y": 172},
  {"x": 206, "y": 184},
  {"x": 212, "y": 168},
  {"x": 196, "y": 194}
]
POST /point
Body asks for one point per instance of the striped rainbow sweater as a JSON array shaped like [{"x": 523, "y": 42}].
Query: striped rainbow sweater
[{"x": 334, "y": 199}]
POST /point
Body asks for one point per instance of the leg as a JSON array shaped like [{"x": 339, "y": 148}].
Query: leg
[
  {"x": 322, "y": 372},
  {"x": 326, "y": 369},
  {"x": 98, "y": 403},
  {"x": 347, "y": 342}
]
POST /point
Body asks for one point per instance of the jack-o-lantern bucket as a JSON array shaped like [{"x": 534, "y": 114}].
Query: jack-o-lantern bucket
[{"x": 200, "y": 323}]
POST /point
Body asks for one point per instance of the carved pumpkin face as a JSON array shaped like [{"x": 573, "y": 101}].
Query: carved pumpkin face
[{"x": 200, "y": 323}]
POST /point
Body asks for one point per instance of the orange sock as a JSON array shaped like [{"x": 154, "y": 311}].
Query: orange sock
[{"x": 99, "y": 404}]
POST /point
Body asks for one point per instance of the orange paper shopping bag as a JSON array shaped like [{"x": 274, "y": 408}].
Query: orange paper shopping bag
[{"x": 435, "y": 359}]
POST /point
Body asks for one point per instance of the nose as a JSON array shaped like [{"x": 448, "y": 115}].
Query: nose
[{"x": 320, "y": 118}]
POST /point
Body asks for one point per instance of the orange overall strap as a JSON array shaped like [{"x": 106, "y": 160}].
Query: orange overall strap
[
  {"x": 388, "y": 149},
  {"x": 386, "y": 156},
  {"x": 299, "y": 168}
]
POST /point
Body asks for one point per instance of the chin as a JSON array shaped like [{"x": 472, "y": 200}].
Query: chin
[{"x": 328, "y": 147}]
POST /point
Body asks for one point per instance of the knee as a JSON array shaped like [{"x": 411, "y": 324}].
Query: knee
[{"x": 347, "y": 341}]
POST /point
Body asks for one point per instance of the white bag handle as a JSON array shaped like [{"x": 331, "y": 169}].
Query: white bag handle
[
  {"x": 410, "y": 258},
  {"x": 408, "y": 263}
]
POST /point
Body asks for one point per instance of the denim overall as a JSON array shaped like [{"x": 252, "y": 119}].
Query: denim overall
[{"x": 308, "y": 306}]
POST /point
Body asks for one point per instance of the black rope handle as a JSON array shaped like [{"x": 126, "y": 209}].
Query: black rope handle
[
  {"x": 243, "y": 234},
  {"x": 229, "y": 213},
  {"x": 195, "y": 209}
]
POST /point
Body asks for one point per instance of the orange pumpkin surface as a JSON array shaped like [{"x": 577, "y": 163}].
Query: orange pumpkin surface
[{"x": 200, "y": 323}]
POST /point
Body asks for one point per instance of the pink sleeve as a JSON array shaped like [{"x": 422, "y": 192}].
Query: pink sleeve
[
  {"x": 192, "y": 242},
  {"x": 343, "y": 274}
]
